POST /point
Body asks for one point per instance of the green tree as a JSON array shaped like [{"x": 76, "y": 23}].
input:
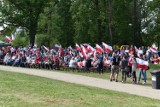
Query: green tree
[
  {"x": 24, "y": 13},
  {"x": 57, "y": 22}
]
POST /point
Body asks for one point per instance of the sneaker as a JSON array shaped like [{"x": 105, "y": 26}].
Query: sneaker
[
  {"x": 116, "y": 80},
  {"x": 144, "y": 83},
  {"x": 138, "y": 82},
  {"x": 133, "y": 82},
  {"x": 111, "y": 80}
]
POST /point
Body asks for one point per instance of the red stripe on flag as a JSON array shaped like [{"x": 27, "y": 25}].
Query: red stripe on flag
[
  {"x": 99, "y": 49},
  {"x": 142, "y": 64},
  {"x": 107, "y": 48}
]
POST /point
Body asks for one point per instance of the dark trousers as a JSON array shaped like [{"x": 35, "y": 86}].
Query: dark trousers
[
  {"x": 129, "y": 73},
  {"x": 100, "y": 68},
  {"x": 124, "y": 75},
  {"x": 134, "y": 78}
]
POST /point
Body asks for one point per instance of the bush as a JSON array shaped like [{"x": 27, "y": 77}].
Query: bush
[{"x": 20, "y": 41}]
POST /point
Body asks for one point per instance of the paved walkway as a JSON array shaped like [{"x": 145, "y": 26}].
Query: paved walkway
[{"x": 88, "y": 81}]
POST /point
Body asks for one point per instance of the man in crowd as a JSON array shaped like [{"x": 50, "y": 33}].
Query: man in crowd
[{"x": 115, "y": 59}]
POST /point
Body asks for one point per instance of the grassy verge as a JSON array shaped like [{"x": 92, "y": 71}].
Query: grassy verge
[{"x": 19, "y": 90}]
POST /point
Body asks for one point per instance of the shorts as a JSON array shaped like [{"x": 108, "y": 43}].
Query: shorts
[{"x": 114, "y": 69}]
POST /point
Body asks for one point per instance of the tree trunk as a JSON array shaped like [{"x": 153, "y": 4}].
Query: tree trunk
[
  {"x": 32, "y": 33},
  {"x": 137, "y": 39},
  {"x": 99, "y": 22},
  {"x": 134, "y": 21},
  {"x": 110, "y": 21}
]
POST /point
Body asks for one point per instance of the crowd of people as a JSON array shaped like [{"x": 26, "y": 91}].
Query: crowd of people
[{"x": 123, "y": 59}]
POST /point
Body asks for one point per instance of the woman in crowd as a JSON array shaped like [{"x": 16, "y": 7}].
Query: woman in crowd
[
  {"x": 7, "y": 59},
  {"x": 134, "y": 67},
  {"x": 144, "y": 71}
]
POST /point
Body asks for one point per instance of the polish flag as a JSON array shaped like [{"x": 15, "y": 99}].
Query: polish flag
[
  {"x": 84, "y": 52},
  {"x": 7, "y": 39},
  {"x": 142, "y": 64},
  {"x": 78, "y": 48},
  {"x": 85, "y": 45},
  {"x": 46, "y": 49},
  {"x": 129, "y": 61},
  {"x": 90, "y": 48},
  {"x": 136, "y": 49},
  {"x": 107, "y": 48},
  {"x": 81, "y": 64},
  {"x": 95, "y": 54},
  {"x": 106, "y": 63},
  {"x": 99, "y": 49},
  {"x": 57, "y": 46},
  {"x": 12, "y": 37},
  {"x": 154, "y": 48},
  {"x": 80, "y": 54}
]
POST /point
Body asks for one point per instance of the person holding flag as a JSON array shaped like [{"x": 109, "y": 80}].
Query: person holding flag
[{"x": 143, "y": 65}]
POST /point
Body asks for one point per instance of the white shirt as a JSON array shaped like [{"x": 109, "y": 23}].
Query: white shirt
[
  {"x": 139, "y": 52},
  {"x": 72, "y": 63},
  {"x": 134, "y": 65}
]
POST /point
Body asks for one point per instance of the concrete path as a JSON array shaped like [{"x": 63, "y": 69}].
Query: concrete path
[{"x": 88, "y": 81}]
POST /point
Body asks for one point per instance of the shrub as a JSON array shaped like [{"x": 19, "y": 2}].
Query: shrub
[{"x": 20, "y": 41}]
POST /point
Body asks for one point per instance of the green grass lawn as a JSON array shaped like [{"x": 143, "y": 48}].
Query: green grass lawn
[{"x": 20, "y": 90}]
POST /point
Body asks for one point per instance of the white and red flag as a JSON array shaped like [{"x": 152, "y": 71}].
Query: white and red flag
[
  {"x": 99, "y": 49},
  {"x": 13, "y": 37},
  {"x": 57, "y": 46},
  {"x": 80, "y": 54},
  {"x": 142, "y": 64},
  {"x": 46, "y": 49},
  {"x": 136, "y": 49},
  {"x": 154, "y": 48},
  {"x": 81, "y": 64},
  {"x": 78, "y": 48},
  {"x": 85, "y": 45},
  {"x": 7, "y": 39},
  {"x": 129, "y": 62},
  {"x": 107, "y": 48},
  {"x": 84, "y": 52},
  {"x": 90, "y": 49}
]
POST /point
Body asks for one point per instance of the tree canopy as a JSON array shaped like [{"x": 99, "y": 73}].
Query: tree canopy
[{"x": 68, "y": 22}]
